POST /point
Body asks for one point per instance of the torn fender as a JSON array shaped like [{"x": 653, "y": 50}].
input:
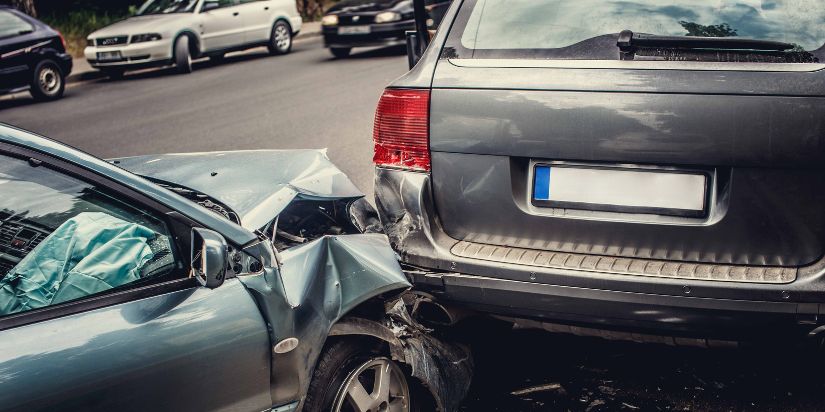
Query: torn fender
[
  {"x": 444, "y": 368},
  {"x": 318, "y": 283}
]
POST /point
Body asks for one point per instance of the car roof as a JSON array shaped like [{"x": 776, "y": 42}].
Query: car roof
[{"x": 18, "y": 137}]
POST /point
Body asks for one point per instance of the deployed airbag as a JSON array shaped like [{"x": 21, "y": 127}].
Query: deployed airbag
[{"x": 87, "y": 254}]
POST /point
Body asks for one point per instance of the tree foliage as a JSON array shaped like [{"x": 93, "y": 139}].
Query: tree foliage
[
  {"x": 713, "y": 30},
  {"x": 26, "y": 6}
]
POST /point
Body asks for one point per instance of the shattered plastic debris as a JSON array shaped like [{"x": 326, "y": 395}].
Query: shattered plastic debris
[
  {"x": 444, "y": 368},
  {"x": 550, "y": 387}
]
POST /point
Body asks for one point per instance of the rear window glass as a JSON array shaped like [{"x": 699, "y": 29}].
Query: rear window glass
[
  {"x": 589, "y": 29},
  {"x": 11, "y": 25}
]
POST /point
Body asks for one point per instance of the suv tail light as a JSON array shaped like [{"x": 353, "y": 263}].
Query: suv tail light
[
  {"x": 62, "y": 40},
  {"x": 402, "y": 129}
]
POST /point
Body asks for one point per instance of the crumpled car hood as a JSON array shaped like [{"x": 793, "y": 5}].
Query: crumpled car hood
[{"x": 255, "y": 184}]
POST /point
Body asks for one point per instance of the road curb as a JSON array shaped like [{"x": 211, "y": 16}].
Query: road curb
[{"x": 83, "y": 72}]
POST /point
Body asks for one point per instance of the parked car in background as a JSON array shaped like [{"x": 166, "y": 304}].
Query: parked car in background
[
  {"x": 642, "y": 170},
  {"x": 32, "y": 56},
  {"x": 364, "y": 23},
  {"x": 173, "y": 32},
  {"x": 241, "y": 281}
]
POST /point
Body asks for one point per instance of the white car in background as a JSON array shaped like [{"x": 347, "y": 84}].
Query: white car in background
[{"x": 173, "y": 32}]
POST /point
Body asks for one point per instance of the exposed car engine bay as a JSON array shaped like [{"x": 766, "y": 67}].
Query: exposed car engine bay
[{"x": 300, "y": 222}]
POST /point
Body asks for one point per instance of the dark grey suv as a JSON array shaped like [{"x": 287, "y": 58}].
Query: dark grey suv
[{"x": 627, "y": 168}]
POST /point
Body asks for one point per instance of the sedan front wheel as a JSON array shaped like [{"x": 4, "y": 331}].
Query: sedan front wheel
[
  {"x": 183, "y": 57},
  {"x": 350, "y": 377}
]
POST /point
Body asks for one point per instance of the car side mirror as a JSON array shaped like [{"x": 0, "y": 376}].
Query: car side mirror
[
  {"x": 209, "y": 5},
  {"x": 413, "y": 47},
  {"x": 209, "y": 257},
  {"x": 418, "y": 40}
]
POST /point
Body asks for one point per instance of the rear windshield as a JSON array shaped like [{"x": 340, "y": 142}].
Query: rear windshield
[{"x": 589, "y": 29}]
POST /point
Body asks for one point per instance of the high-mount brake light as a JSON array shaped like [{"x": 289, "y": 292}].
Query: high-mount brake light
[{"x": 402, "y": 130}]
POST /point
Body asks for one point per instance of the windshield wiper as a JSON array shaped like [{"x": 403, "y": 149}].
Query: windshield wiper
[{"x": 629, "y": 41}]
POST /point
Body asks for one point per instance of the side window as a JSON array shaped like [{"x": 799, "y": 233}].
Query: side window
[
  {"x": 62, "y": 239},
  {"x": 12, "y": 25},
  {"x": 221, "y": 3}
]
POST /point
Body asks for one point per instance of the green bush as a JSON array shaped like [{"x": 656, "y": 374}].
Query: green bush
[{"x": 76, "y": 25}]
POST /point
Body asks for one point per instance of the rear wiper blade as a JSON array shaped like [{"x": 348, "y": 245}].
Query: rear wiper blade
[{"x": 628, "y": 41}]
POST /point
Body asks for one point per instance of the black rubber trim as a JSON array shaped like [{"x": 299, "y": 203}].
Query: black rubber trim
[{"x": 95, "y": 302}]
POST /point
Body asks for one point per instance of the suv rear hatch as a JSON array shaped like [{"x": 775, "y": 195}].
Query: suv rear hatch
[{"x": 546, "y": 135}]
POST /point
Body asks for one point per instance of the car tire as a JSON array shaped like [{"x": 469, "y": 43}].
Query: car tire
[
  {"x": 114, "y": 74},
  {"x": 340, "y": 52},
  {"x": 183, "y": 56},
  {"x": 280, "y": 39},
  {"x": 48, "y": 81},
  {"x": 348, "y": 363}
]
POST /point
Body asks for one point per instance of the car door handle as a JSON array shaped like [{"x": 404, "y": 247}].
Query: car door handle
[
  {"x": 235, "y": 13},
  {"x": 266, "y": 8}
]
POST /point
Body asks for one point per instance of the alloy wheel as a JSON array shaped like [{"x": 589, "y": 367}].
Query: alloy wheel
[
  {"x": 49, "y": 80},
  {"x": 282, "y": 38},
  {"x": 378, "y": 385}
]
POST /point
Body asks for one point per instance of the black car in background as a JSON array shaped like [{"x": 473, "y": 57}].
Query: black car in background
[
  {"x": 32, "y": 56},
  {"x": 365, "y": 23}
]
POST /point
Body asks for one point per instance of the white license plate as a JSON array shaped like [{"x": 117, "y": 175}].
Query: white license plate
[
  {"x": 354, "y": 30},
  {"x": 620, "y": 190},
  {"x": 109, "y": 56}
]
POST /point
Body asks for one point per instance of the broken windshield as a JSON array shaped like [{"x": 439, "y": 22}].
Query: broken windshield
[{"x": 588, "y": 29}]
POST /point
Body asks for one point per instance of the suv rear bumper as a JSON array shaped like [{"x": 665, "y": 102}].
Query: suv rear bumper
[{"x": 660, "y": 305}]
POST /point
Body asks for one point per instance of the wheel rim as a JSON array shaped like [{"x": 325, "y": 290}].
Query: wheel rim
[
  {"x": 49, "y": 80},
  {"x": 389, "y": 390},
  {"x": 281, "y": 37}
]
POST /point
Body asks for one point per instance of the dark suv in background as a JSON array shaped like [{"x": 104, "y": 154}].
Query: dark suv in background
[
  {"x": 634, "y": 169},
  {"x": 32, "y": 56},
  {"x": 365, "y": 23}
]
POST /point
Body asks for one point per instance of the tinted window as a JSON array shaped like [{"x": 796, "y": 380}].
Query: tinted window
[
  {"x": 220, "y": 3},
  {"x": 12, "y": 25},
  {"x": 62, "y": 239},
  {"x": 584, "y": 29},
  {"x": 167, "y": 6}
]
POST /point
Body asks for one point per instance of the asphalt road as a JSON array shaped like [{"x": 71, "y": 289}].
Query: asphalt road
[
  {"x": 252, "y": 101},
  {"x": 308, "y": 100},
  {"x": 527, "y": 371}
]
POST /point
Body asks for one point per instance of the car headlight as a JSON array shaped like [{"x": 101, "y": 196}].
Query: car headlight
[
  {"x": 387, "y": 17},
  {"x": 330, "y": 20},
  {"x": 140, "y": 38}
]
